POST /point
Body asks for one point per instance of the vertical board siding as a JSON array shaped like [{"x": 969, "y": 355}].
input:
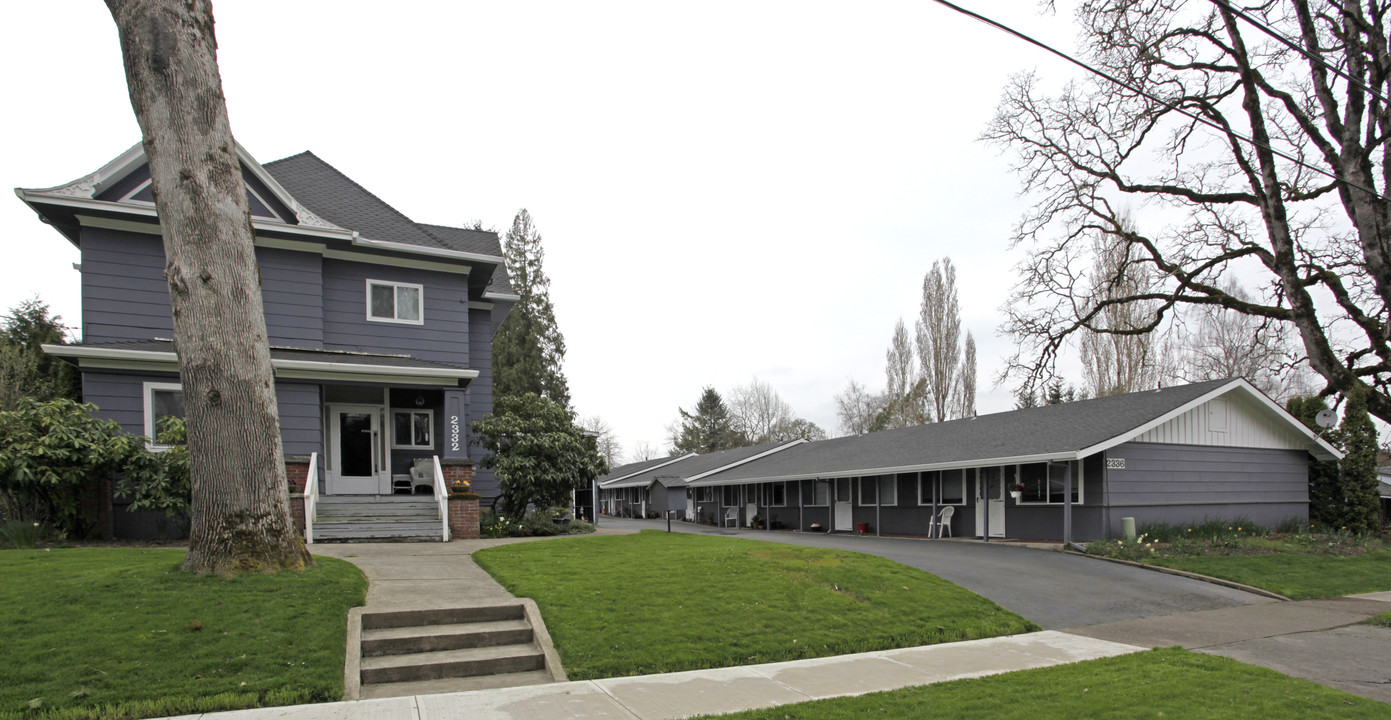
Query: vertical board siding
[
  {"x": 1249, "y": 424},
  {"x": 442, "y": 338}
]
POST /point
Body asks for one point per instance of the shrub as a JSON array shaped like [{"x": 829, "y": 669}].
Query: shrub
[
  {"x": 21, "y": 534},
  {"x": 537, "y": 523}
]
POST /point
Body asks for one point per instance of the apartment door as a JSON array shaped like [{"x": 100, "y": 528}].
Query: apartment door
[{"x": 357, "y": 462}]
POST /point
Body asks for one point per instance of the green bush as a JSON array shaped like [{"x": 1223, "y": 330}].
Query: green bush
[
  {"x": 537, "y": 523},
  {"x": 21, "y": 534}
]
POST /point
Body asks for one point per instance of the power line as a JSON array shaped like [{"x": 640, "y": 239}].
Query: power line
[{"x": 1167, "y": 105}]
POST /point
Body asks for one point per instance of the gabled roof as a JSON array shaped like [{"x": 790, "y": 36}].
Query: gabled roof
[
  {"x": 626, "y": 471},
  {"x": 685, "y": 469},
  {"x": 1068, "y": 431}
]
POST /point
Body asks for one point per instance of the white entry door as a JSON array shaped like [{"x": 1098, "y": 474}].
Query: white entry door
[
  {"x": 357, "y": 462},
  {"x": 990, "y": 493},
  {"x": 690, "y": 506},
  {"x": 844, "y": 518}
]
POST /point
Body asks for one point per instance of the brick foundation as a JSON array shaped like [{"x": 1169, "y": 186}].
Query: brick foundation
[
  {"x": 463, "y": 518},
  {"x": 296, "y": 475}
]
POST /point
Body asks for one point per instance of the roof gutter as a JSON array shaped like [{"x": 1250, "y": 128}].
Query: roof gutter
[{"x": 318, "y": 367}]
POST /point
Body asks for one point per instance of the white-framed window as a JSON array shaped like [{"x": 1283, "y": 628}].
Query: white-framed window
[
  {"x": 730, "y": 495},
  {"x": 395, "y": 302},
  {"x": 1043, "y": 484},
  {"x": 868, "y": 488},
  {"x": 161, "y": 400},
  {"x": 888, "y": 490},
  {"x": 950, "y": 485},
  {"x": 705, "y": 494},
  {"x": 412, "y": 429},
  {"x": 820, "y": 493},
  {"x": 777, "y": 494}
]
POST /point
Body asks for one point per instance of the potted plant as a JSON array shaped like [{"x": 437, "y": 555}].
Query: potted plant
[{"x": 1016, "y": 491}]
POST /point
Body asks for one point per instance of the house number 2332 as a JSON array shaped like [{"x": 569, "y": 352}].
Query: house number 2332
[{"x": 454, "y": 433}]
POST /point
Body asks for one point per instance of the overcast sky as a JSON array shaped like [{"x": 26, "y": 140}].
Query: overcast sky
[{"x": 725, "y": 190}]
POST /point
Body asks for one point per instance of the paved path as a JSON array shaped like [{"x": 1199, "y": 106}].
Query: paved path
[{"x": 1056, "y": 590}]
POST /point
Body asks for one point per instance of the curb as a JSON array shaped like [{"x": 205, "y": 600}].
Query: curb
[
  {"x": 352, "y": 662},
  {"x": 542, "y": 636},
  {"x": 1192, "y": 575}
]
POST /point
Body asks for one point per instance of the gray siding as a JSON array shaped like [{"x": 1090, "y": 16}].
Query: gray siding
[
  {"x": 301, "y": 426},
  {"x": 480, "y": 391},
  {"x": 125, "y": 296},
  {"x": 442, "y": 338},
  {"x": 120, "y": 397},
  {"x": 1181, "y": 484}
]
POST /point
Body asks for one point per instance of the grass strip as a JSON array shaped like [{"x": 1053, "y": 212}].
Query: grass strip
[
  {"x": 664, "y": 602},
  {"x": 124, "y": 633},
  {"x": 1164, "y": 683},
  {"x": 1300, "y": 577}
]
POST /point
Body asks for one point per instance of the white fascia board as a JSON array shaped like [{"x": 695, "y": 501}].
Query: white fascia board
[
  {"x": 92, "y": 185},
  {"x": 1064, "y": 455},
  {"x": 295, "y": 368},
  {"x": 502, "y": 296},
  {"x": 422, "y": 250},
  {"x": 1329, "y": 452},
  {"x": 610, "y": 481},
  {"x": 737, "y": 463}
]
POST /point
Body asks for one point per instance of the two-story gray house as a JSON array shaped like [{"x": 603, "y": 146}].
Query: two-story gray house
[{"x": 380, "y": 327}]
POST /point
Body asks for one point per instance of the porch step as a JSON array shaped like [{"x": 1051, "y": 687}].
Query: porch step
[
  {"x": 348, "y": 519},
  {"x": 420, "y": 651}
]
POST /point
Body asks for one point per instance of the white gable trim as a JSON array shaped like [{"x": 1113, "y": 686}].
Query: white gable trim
[
  {"x": 1322, "y": 450},
  {"x": 750, "y": 459},
  {"x": 611, "y": 481}
]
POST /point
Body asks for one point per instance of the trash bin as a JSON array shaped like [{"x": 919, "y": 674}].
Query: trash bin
[{"x": 862, "y": 528}]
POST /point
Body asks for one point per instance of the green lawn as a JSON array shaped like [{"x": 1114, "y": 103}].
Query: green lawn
[
  {"x": 663, "y": 602},
  {"x": 117, "y": 632},
  {"x": 1295, "y": 576},
  {"x": 1167, "y": 683}
]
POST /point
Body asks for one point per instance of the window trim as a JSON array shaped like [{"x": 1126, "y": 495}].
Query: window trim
[
  {"x": 772, "y": 495},
  {"x": 413, "y": 411},
  {"x": 148, "y": 390},
  {"x": 936, "y": 476},
  {"x": 420, "y": 294},
  {"x": 829, "y": 494},
  {"x": 860, "y": 485},
  {"x": 1077, "y": 485},
  {"x": 892, "y": 482}
]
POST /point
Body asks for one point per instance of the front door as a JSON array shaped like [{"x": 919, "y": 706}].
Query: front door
[
  {"x": 844, "y": 519},
  {"x": 990, "y": 493},
  {"x": 690, "y": 506},
  {"x": 355, "y": 432}
]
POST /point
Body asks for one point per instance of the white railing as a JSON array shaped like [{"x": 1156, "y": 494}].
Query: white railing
[
  {"x": 442, "y": 497},
  {"x": 311, "y": 497}
]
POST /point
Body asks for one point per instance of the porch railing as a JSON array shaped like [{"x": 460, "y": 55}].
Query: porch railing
[
  {"x": 311, "y": 497},
  {"x": 442, "y": 498}
]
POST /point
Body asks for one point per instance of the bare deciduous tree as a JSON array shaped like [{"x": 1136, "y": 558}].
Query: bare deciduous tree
[
  {"x": 964, "y": 400},
  {"x": 759, "y": 413},
  {"x": 857, "y": 408},
  {"x": 1225, "y": 343},
  {"x": 240, "y": 511},
  {"x": 1283, "y": 181},
  {"x": 605, "y": 439},
  {"x": 939, "y": 337},
  {"x": 1120, "y": 348},
  {"x": 644, "y": 451}
]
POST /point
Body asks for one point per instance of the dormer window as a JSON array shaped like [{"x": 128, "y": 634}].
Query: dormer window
[{"x": 395, "y": 302}]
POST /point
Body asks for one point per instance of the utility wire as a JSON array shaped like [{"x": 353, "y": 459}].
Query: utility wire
[
  {"x": 1167, "y": 105},
  {"x": 1299, "y": 49}
]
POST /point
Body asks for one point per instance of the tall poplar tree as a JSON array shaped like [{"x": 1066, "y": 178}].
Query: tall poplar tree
[{"x": 528, "y": 349}]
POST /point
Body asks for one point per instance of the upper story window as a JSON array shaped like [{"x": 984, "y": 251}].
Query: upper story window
[
  {"x": 395, "y": 302},
  {"x": 161, "y": 400}
]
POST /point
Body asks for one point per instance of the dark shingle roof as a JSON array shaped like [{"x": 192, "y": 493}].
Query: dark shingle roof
[
  {"x": 1051, "y": 430},
  {"x": 339, "y": 199},
  {"x": 693, "y": 466},
  {"x": 631, "y": 468}
]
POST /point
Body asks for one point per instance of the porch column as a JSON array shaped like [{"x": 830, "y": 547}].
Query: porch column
[
  {"x": 983, "y": 503},
  {"x": 1067, "y": 505},
  {"x": 455, "y": 425}
]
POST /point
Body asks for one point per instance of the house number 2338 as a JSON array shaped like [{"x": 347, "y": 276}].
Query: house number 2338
[{"x": 454, "y": 433}]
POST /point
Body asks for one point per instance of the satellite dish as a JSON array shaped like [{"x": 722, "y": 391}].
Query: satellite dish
[{"x": 1326, "y": 419}]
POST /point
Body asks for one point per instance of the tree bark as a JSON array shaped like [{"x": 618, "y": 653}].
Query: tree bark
[{"x": 240, "y": 511}]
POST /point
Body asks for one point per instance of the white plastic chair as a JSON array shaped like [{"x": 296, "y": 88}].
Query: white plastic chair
[
  {"x": 731, "y": 517},
  {"x": 944, "y": 520}
]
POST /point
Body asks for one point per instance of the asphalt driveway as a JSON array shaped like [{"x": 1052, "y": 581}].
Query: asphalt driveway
[{"x": 1056, "y": 590}]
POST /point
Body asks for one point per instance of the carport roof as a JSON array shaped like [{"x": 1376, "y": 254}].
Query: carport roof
[{"x": 1068, "y": 431}]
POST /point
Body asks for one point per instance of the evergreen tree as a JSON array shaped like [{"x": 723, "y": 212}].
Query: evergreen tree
[
  {"x": 709, "y": 429},
  {"x": 1357, "y": 481},
  {"x": 26, "y": 371},
  {"x": 1324, "y": 498},
  {"x": 528, "y": 349}
]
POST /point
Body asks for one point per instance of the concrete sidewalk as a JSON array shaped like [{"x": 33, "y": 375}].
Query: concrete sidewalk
[{"x": 721, "y": 690}]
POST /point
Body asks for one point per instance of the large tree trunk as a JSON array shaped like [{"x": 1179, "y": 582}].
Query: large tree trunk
[{"x": 240, "y": 512}]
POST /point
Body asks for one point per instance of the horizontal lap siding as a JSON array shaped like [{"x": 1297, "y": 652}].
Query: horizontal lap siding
[
  {"x": 301, "y": 426},
  {"x": 442, "y": 338},
  {"x": 1184, "y": 484},
  {"x": 120, "y": 397},
  {"x": 480, "y": 391},
  {"x": 125, "y": 295}
]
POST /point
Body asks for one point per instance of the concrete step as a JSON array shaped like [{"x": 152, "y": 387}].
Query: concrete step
[
  {"x": 456, "y": 636},
  {"x": 441, "y": 616},
  {"x": 430, "y": 531},
  {"x": 451, "y": 685},
  {"x": 375, "y": 517},
  {"x": 439, "y": 664}
]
